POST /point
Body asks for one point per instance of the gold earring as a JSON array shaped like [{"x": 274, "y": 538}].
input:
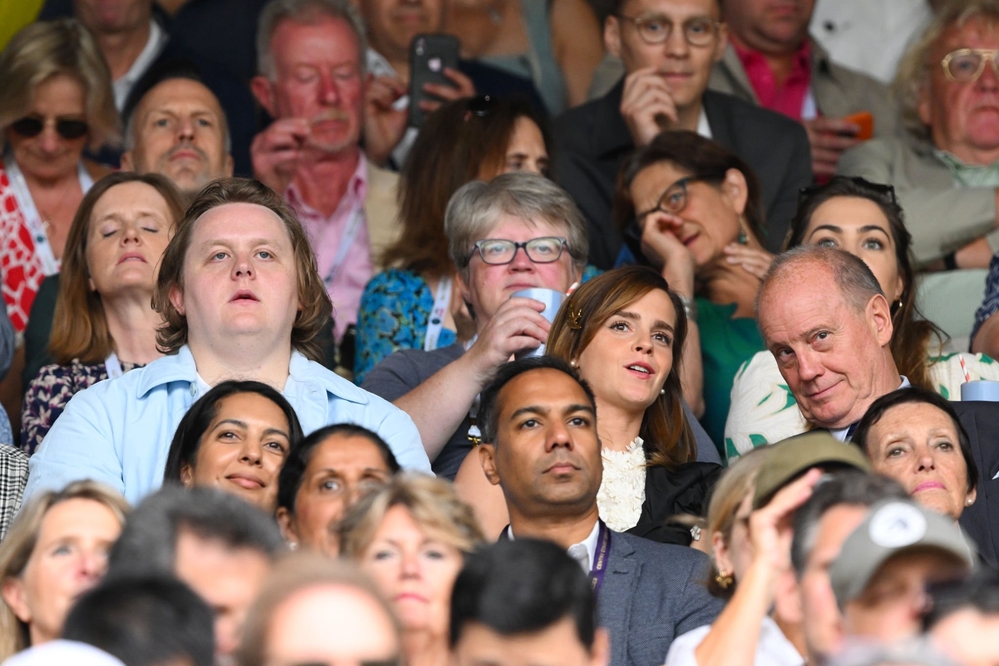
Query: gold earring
[{"x": 724, "y": 580}]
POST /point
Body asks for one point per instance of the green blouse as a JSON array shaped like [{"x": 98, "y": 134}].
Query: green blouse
[{"x": 726, "y": 343}]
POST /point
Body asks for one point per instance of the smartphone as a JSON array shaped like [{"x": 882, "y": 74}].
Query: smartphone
[
  {"x": 428, "y": 56},
  {"x": 865, "y": 121}
]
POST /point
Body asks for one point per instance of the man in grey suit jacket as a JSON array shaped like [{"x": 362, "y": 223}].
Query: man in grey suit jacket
[
  {"x": 771, "y": 61},
  {"x": 539, "y": 421},
  {"x": 946, "y": 171}
]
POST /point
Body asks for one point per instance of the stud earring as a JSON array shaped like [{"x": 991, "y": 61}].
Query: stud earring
[
  {"x": 724, "y": 580},
  {"x": 969, "y": 502},
  {"x": 573, "y": 363},
  {"x": 662, "y": 391}
]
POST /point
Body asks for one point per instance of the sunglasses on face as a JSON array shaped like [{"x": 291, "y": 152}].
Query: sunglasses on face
[{"x": 32, "y": 126}]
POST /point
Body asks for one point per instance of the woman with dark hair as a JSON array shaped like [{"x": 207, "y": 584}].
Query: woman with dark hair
[
  {"x": 103, "y": 325},
  {"x": 323, "y": 477},
  {"x": 625, "y": 332},
  {"x": 411, "y": 305},
  {"x": 914, "y": 436},
  {"x": 864, "y": 219},
  {"x": 692, "y": 208},
  {"x": 236, "y": 437}
]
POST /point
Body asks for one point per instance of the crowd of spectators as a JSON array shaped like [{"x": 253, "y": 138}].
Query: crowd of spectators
[{"x": 499, "y": 332}]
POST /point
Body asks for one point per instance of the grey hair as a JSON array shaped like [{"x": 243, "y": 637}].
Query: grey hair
[
  {"x": 913, "y": 75},
  {"x": 851, "y": 275},
  {"x": 849, "y": 487},
  {"x": 476, "y": 206},
  {"x": 129, "y": 138},
  {"x": 306, "y": 11},
  {"x": 148, "y": 544}
]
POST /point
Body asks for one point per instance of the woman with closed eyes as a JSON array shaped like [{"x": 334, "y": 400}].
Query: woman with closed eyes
[
  {"x": 103, "y": 324},
  {"x": 864, "y": 219},
  {"x": 235, "y": 438}
]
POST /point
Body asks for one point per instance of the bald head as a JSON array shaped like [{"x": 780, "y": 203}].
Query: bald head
[
  {"x": 826, "y": 321},
  {"x": 179, "y": 130}
]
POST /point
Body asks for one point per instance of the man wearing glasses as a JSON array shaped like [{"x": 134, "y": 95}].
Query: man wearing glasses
[
  {"x": 668, "y": 48},
  {"x": 771, "y": 61},
  {"x": 946, "y": 171}
]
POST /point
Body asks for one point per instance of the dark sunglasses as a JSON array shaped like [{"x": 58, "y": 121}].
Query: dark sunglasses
[{"x": 31, "y": 126}]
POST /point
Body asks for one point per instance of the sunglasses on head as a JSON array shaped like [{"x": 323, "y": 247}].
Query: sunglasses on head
[{"x": 32, "y": 126}]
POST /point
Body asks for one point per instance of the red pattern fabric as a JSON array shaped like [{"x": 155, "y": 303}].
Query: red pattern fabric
[{"x": 22, "y": 270}]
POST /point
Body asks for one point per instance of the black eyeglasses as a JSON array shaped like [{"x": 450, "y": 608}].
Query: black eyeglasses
[
  {"x": 879, "y": 190},
  {"x": 32, "y": 126},
  {"x": 498, "y": 251},
  {"x": 674, "y": 199}
]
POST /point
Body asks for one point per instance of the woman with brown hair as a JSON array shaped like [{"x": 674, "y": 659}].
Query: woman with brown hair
[
  {"x": 692, "y": 209},
  {"x": 411, "y": 305},
  {"x": 55, "y": 551},
  {"x": 103, "y": 324},
  {"x": 625, "y": 332}
]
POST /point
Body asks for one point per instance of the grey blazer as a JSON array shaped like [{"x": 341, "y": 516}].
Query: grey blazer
[
  {"x": 940, "y": 215},
  {"x": 652, "y": 593}
]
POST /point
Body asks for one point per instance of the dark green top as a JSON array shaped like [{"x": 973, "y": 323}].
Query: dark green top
[{"x": 726, "y": 343}]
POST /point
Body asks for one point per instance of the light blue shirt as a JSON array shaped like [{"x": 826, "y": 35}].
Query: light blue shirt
[{"x": 119, "y": 431}]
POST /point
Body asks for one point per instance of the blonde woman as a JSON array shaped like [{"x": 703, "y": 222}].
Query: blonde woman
[
  {"x": 56, "y": 549},
  {"x": 411, "y": 537}
]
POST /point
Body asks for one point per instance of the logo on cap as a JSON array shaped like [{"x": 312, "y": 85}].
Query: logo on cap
[{"x": 896, "y": 525}]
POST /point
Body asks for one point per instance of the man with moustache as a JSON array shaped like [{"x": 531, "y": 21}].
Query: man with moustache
[
  {"x": 668, "y": 48},
  {"x": 771, "y": 61},
  {"x": 312, "y": 82},
  {"x": 540, "y": 445}
]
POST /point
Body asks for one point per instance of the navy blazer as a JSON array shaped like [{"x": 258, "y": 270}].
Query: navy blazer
[
  {"x": 652, "y": 593},
  {"x": 592, "y": 141},
  {"x": 981, "y": 519}
]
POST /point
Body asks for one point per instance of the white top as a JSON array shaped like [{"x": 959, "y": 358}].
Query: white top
[
  {"x": 589, "y": 543},
  {"x": 869, "y": 36},
  {"x": 622, "y": 491},
  {"x": 773, "y": 648}
]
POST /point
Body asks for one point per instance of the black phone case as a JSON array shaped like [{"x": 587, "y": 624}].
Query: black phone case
[{"x": 428, "y": 56}]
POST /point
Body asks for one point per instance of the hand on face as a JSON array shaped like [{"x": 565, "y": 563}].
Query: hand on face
[
  {"x": 662, "y": 246},
  {"x": 277, "y": 150},
  {"x": 647, "y": 105}
]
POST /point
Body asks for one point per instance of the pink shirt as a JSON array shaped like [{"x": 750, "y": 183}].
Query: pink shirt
[
  {"x": 788, "y": 98},
  {"x": 344, "y": 281}
]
